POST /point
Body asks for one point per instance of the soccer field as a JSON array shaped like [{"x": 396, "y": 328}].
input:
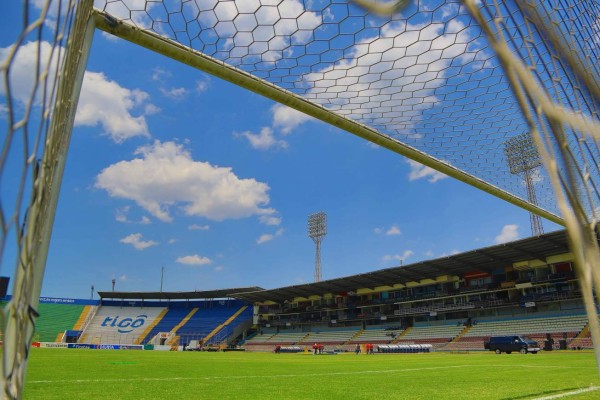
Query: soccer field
[{"x": 110, "y": 374}]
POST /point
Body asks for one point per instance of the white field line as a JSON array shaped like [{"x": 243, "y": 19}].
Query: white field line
[
  {"x": 566, "y": 394},
  {"x": 233, "y": 377}
]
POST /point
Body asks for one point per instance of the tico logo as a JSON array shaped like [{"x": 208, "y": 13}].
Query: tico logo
[{"x": 125, "y": 325}]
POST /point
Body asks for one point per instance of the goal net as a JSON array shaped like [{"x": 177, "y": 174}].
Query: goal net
[{"x": 503, "y": 95}]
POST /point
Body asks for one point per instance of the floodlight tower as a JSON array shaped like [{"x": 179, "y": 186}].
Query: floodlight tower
[
  {"x": 523, "y": 158},
  {"x": 317, "y": 229}
]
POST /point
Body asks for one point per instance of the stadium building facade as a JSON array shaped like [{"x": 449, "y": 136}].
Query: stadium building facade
[{"x": 526, "y": 287}]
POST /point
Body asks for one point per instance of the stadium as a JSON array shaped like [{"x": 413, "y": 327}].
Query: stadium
[
  {"x": 482, "y": 293},
  {"x": 447, "y": 306},
  {"x": 199, "y": 134}
]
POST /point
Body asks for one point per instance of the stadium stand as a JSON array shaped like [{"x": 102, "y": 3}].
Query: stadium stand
[
  {"x": 538, "y": 328},
  {"x": 329, "y": 337},
  {"x": 55, "y": 319},
  {"x": 524, "y": 287},
  {"x": 527, "y": 287},
  {"x": 130, "y": 323},
  {"x": 119, "y": 325},
  {"x": 169, "y": 319},
  {"x": 436, "y": 335},
  {"x": 376, "y": 335},
  {"x": 213, "y": 316}
]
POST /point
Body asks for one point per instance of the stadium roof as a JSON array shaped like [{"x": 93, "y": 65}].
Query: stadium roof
[
  {"x": 204, "y": 294},
  {"x": 481, "y": 260}
]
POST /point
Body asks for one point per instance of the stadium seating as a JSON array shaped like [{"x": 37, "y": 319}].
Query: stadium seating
[
  {"x": 329, "y": 337},
  {"x": 119, "y": 325},
  {"x": 537, "y": 328},
  {"x": 268, "y": 341},
  {"x": 436, "y": 335},
  {"x": 213, "y": 316},
  {"x": 171, "y": 318},
  {"x": 55, "y": 319},
  {"x": 376, "y": 336}
]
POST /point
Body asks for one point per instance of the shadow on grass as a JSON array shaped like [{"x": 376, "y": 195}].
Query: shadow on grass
[{"x": 541, "y": 394}]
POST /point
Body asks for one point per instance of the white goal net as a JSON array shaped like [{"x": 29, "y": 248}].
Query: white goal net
[{"x": 501, "y": 94}]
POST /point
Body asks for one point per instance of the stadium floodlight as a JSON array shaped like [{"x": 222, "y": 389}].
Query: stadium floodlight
[
  {"x": 523, "y": 158},
  {"x": 317, "y": 229}
]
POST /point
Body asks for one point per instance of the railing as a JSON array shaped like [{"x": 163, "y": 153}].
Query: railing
[{"x": 89, "y": 318}]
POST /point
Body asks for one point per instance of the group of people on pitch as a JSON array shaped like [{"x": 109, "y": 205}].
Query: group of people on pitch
[
  {"x": 368, "y": 348},
  {"x": 318, "y": 348}
]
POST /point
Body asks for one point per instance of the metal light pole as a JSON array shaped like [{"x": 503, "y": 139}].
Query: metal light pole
[
  {"x": 317, "y": 229},
  {"x": 523, "y": 158},
  {"x": 113, "y": 284},
  {"x": 92, "y": 293},
  {"x": 162, "y": 273}
]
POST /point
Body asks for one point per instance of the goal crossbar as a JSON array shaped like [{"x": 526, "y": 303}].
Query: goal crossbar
[{"x": 208, "y": 64}]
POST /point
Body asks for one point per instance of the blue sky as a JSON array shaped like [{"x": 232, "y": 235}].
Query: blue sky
[{"x": 170, "y": 167}]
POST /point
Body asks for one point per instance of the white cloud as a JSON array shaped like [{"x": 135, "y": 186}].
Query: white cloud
[
  {"x": 195, "y": 227},
  {"x": 171, "y": 241},
  {"x": 121, "y": 215},
  {"x": 160, "y": 75},
  {"x": 219, "y": 268},
  {"x": 267, "y": 237},
  {"x": 398, "y": 257},
  {"x": 420, "y": 171},
  {"x": 150, "y": 109},
  {"x": 390, "y": 79},
  {"x": 202, "y": 85},
  {"x": 452, "y": 253},
  {"x": 264, "y": 238},
  {"x": 393, "y": 230},
  {"x": 263, "y": 30},
  {"x": 509, "y": 233},
  {"x": 102, "y": 101},
  {"x": 136, "y": 11},
  {"x": 136, "y": 240},
  {"x": 174, "y": 93},
  {"x": 270, "y": 219},
  {"x": 166, "y": 176},
  {"x": 287, "y": 119},
  {"x": 194, "y": 260},
  {"x": 22, "y": 70},
  {"x": 264, "y": 140}
]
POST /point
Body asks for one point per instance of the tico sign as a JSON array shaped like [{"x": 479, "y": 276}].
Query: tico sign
[{"x": 125, "y": 325}]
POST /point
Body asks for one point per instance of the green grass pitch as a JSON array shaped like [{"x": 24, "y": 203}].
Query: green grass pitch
[{"x": 116, "y": 375}]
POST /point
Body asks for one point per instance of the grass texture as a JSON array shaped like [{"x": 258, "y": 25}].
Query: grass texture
[{"x": 125, "y": 374}]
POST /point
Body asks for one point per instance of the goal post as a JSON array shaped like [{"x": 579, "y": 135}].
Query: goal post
[
  {"x": 548, "y": 86},
  {"x": 20, "y": 313},
  {"x": 203, "y": 62}
]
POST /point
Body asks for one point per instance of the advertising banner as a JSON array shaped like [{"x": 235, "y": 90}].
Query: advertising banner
[{"x": 53, "y": 345}]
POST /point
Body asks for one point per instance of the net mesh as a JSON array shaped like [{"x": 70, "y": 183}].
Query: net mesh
[
  {"x": 426, "y": 76},
  {"x": 39, "y": 110},
  {"x": 456, "y": 80}
]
